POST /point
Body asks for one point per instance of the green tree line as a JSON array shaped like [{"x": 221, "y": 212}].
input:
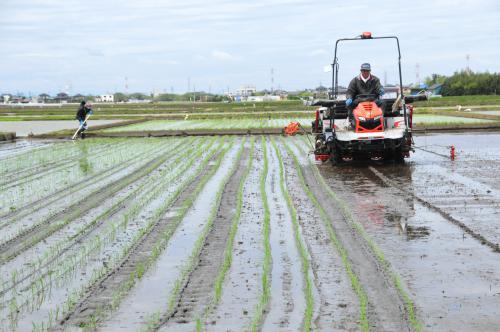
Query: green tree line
[{"x": 466, "y": 82}]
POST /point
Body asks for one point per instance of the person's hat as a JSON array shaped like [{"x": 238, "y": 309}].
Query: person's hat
[
  {"x": 366, "y": 66},
  {"x": 82, "y": 102}
]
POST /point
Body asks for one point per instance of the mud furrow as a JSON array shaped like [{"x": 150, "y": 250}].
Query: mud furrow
[
  {"x": 34, "y": 234},
  {"x": 240, "y": 293},
  {"x": 338, "y": 304},
  {"x": 287, "y": 304},
  {"x": 198, "y": 291},
  {"x": 386, "y": 309}
]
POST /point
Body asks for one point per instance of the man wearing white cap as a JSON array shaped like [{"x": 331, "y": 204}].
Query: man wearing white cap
[{"x": 363, "y": 84}]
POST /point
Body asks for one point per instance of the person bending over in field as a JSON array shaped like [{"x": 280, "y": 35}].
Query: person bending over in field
[{"x": 84, "y": 110}]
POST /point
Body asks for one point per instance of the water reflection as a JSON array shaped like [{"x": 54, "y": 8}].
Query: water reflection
[{"x": 377, "y": 203}]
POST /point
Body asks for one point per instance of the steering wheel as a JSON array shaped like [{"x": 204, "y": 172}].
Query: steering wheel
[{"x": 366, "y": 97}]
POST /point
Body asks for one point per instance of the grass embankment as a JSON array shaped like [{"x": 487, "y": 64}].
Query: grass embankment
[
  {"x": 151, "y": 110},
  {"x": 453, "y": 101},
  {"x": 7, "y": 136}
]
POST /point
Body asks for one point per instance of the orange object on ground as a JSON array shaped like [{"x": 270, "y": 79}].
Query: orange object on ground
[{"x": 292, "y": 128}]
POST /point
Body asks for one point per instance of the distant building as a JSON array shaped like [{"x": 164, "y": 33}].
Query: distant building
[
  {"x": 246, "y": 91},
  {"x": 6, "y": 98},
  {"x": 43, "y": 98},
  {"x": 62, "y": 98},
  {"x": 105, "y": 99}
]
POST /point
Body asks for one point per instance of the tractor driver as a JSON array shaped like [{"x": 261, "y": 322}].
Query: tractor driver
[{"x": 363, "y": 84}]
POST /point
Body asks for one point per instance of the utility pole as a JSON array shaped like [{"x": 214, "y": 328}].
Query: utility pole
[
  {"x": 272, "y": 81},
  {"x": 385, "y": 77},
  {"x": 467, "y": 59},
  {"x": 189, "y": 84},
  {"x": 417, "y": 74},
  {"x": 126, "y": 85}
]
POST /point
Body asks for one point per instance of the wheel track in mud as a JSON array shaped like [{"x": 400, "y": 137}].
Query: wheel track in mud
[
  {"x": 95, "y": 304},
  {"x": 198, "y": 291},
  {"x": 38, "y": 204},
  {"x": 86, "y": 232},
  {"x": 384, "y": 179},
  {"x": 13, "y": 246},
  {"x": 386, "y": 308}
]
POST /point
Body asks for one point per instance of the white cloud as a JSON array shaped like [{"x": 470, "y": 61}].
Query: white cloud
[{"x": 222, "y": 56}]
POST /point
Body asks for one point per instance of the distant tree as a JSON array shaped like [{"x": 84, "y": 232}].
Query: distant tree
[
  {"x": 120, "y": 97},
  {"x": 470, "y": 83},
  {"x": 435, "y": 78}
]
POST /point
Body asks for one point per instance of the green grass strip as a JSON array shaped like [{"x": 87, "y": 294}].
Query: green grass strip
[
  {"x": 304, "y": 255},
  {"x": 347, "y": 214},
  {"x": 266, "y": 265},
  {"x": 356, "y": 284}
]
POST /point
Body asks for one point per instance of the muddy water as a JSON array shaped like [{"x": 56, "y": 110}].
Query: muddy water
[
  {"x": 151, "y": 294},
  {"x": 453, "y": 278},
  {"x": 287, "y": 304},
  {"x": 242, "y": 285},
  {"x": 24, "y": 128}
]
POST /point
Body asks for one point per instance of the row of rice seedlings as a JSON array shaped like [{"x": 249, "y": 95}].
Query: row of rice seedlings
[
  {"x": 228, "y": 251},
  {"x": 347, "y": 214},
  {"x": 121, "y": 292},
  {"x": 53, "y": 254},
  {"x": 266, "y": 265},
  {"x": 55, "y": 160},
  {"x": 255, "y": 123},
  {"x": 99, "y": 179},
  {"x": 154, "y": 320},
  {"x": 356, "y": 284},
  {"x": 304, "y": 254},
  {"x": 16, "y": 197},
  {"x": 109, "y": 233},
  {"x": 69, "y": 270}
]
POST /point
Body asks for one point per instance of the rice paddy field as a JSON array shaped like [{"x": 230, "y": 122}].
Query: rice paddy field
[{"x": 247, "y": 233}]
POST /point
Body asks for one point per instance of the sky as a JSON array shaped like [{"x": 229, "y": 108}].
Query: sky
[{"x": 96, "y": 47}]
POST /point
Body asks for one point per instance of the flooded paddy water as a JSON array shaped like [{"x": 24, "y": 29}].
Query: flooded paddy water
[{"x": 248, "y": 233}]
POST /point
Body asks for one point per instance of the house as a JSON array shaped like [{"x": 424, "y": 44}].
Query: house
[
  {"x": 105, "y": 99},
  {"x": 62, "y": 97},
  {"x": 43, "y": 97}
]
